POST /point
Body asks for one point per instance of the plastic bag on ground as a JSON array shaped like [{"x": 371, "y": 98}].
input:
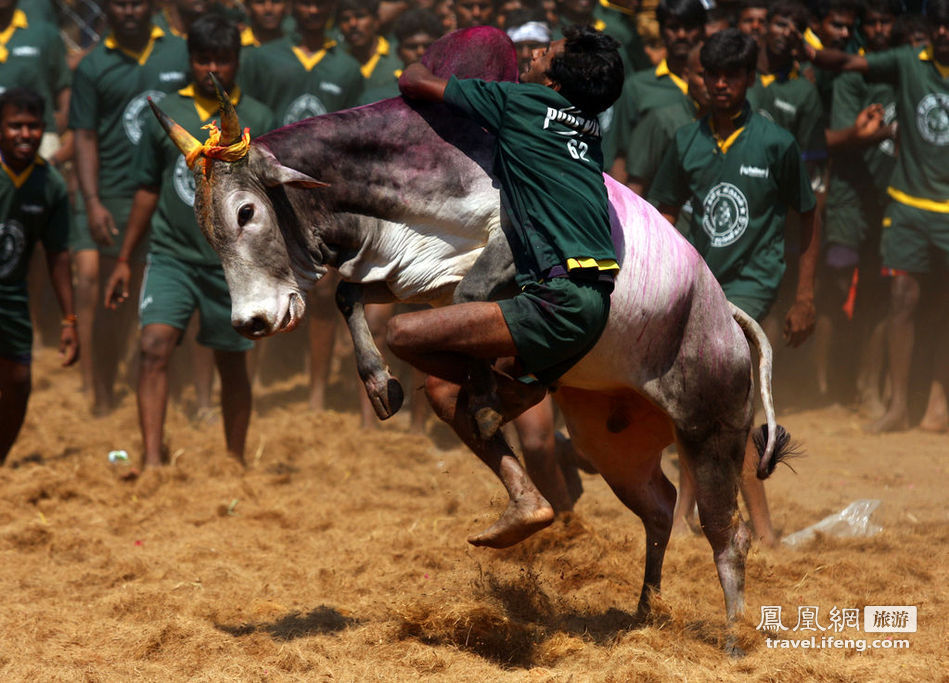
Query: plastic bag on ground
[{"x": 851, "y": 522}]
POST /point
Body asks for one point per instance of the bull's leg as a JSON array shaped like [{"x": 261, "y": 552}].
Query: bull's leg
[
  {"x": 383, "y": 390},
  {"x": 527, "y": 511},
  {"x": 716, "y": 464},
  {"x": 628, "y": 457}
]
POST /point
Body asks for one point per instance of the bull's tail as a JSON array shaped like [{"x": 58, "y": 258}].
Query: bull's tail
[{"x": 771, "y": 440}]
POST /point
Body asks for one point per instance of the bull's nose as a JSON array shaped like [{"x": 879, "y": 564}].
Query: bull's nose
[{"x": 253, "y": 328}]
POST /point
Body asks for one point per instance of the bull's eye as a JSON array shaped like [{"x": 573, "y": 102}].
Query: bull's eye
[{"x": 244, "y": 214}]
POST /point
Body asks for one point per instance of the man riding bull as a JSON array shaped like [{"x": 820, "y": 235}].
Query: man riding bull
[{"x": 549, "y": 162}]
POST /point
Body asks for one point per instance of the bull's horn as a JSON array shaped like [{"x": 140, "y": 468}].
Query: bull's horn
[
  {"x": 183, "y": 140},
  {"x": 230, "y": 126}
]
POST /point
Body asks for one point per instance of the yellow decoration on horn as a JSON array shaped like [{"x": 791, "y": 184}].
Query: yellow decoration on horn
[{"x": 212, "y": 149}]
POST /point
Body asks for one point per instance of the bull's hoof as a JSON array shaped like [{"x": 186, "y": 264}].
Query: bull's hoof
[
  {"x": 488, "y": 421},
  {"x": 386, "y": 398}
]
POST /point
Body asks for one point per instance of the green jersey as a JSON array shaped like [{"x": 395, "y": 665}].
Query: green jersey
[
  {"x": 643, "y": 91},
  {"x": 32, "y": 55},
  {"x": 550, "y": 168},
  {"x": 296, "y": 86},
  {"x": 34, "y": 206},
  {"x": 652, "y": 137},
  {"x": 741, "y": 189},
  {"x": 792, "y": 102},
  {"x": 40, "y": 10},
  {"x": 921, "y": 176},
  {"x": 110, "y": 95},
  {"x": 378, "y": 72},
  {"x": 159, "y": 164}
]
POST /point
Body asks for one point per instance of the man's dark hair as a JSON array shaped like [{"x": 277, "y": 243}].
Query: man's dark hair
[
  {"x": 729, "y": 50},
  {"x": 214, "y": 34},
  {"x": 904, "y": 26},
  {"x": 821, "y": 8},
  {"x": 753, "y": 4},
  {"x": 371, "y": 6},
  {"x": 937, "y": 11},
  {"x": 690, "y": 13},
  {"x": 23, "y": 99},
  {"x": 417, "y": 21},
  {"x": 894, "y": 7},
  {"x": 792, "y": 9},
  {"x": 519, "y": 17},
  {"x": 589, "y": 70},
  {"x": 726, "y": 14}
]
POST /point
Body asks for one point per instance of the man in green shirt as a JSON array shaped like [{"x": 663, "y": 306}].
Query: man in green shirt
[
  {"x": 184, "y": 274},
  {"x": 359, "y": 24},
  {"x": 107, "y": 111},
  {"x": 681, "y": 26},
  {"x": 613, "y": 19},
  {"x": 549, "y": 166},
  {"x": 32, "y": 55},
  {"x": 916, "y": 223},
  {"x": 863, "y": 151},
  {"x": 34, "y": 206},
  {"x": 265, "y": 20},
  {"x": 741, "y": 173}
]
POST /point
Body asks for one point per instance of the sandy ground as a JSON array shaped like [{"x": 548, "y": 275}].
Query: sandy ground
[{"x": 340, "y": 554}]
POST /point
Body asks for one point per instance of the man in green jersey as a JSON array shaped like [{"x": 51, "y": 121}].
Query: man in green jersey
[
  {"x": 741, "y": 173},
  {"x": 916, "y": 224},
  {"x": 107, "y": 111},
  {"x": 359, "y": 24},
  {"x": 613, "y": 19},
  {"x": 681, "y": 25},
  {"x": 265, "y": 20},
  {"x": 184, "y": 274},
  {"x": 863, "y": 152},
  {"x": 299, "y": 77},
  {"x": 549, "y": 165},
  {"x": 32, "y": 55},
  {"x": 34, "y": 207}
]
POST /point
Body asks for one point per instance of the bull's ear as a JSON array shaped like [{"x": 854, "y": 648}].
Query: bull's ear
[{"x": 274, "y": 173}]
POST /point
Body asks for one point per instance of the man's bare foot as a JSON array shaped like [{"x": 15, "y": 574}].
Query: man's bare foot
[
  {"x": 870, "y": 406},
  {"x": 936, "y": 424},
  {"x": 103, "y": 408},
  {"x": 890, "y": 422},
  {"x": 523, "y": 517}
]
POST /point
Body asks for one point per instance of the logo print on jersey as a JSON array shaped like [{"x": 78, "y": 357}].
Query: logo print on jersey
[
  {"x": 184, "y": 181},
  {"x": 304, "y": 107},
  {"x": 932, "y": 118},
  {"x": 12, "y": 246},
  {"x": 726, "y": 214},
  {"x": 132, "y": 118}
]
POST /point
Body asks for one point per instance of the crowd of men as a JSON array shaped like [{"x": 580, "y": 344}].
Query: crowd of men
[{"x": 816, "y": 142}]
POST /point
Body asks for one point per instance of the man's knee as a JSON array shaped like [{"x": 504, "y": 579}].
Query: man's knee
[
  {"x": 398, "y": 337},
  {"x": 443, "y": 397},
  {"x": 904, "y": 295},
  {"x": 15, "y": 381},
  {"x": 156, "y": 348}
]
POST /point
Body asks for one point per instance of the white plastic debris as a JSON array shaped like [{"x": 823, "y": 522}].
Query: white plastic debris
[{"x": 851, "y": 522}]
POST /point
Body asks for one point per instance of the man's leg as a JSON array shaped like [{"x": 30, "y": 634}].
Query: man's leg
[
  {"x": 936, "y": 418},
  {"x": 752, "y": 491},
  {"x": 87, "y": 296},
  {"x": 321, "y": 305},
  {"x": 15, "y": 383},
  {"x": 110, "y": 335},
  {"x": 904, "y": 296},
  {"x": 535, "y": 431},
  {"x": 158, "y": 342},
  {"x": 235, "y": 399},
  {"x": 527, "y": 510}
]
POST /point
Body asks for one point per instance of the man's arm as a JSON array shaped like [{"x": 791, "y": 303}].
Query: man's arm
[
  {"x": 418, "y": 83},
  {"x": 60, "y": 274},
  {"x": 870, "y": 128},
  {"x": 669, "y": 212},
  {"x": 143, "y": 206},
  {"x": 802, "y": 316},
  {"x": 101, "y": 223},
  {"x": 836, "y": 60}
]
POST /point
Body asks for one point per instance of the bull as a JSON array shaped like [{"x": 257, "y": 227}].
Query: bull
[{"x": 399, "y": 198}]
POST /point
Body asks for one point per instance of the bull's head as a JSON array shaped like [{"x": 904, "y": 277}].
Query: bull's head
[{"x": 236, "y": 182}]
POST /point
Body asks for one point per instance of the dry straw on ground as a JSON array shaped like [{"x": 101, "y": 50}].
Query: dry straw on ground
[{"x": 340, "y": 555}]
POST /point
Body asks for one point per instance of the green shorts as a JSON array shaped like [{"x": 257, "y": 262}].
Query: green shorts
[
  {"x": 16, "y": 330},
  {"x": 913, "y": 238},
  {"x": 80, "y": 239},
  {"x": 172, "y": 291},
  {"x": 853, "y": 224},
  {"x": 556, "y": 322}
]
